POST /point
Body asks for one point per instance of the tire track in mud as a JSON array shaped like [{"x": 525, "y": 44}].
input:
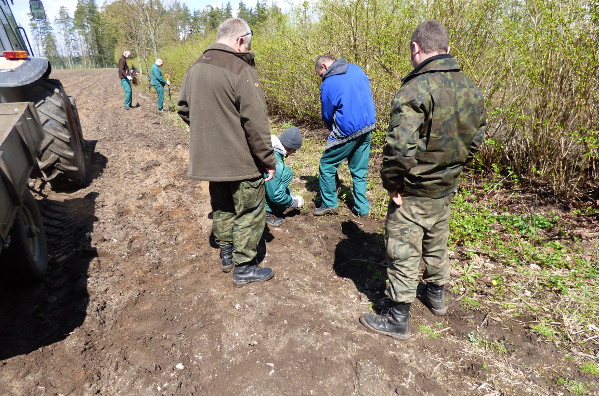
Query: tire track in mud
[{"x": 139, "y": 205}]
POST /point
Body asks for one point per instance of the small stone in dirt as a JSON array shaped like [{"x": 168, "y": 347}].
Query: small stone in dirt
[{"x": 179, "y": 366}]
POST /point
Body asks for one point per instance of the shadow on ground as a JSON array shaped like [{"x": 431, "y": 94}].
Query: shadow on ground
[
  {"x": 40, "y": 314},
  {"x": 361, "y": 258}
]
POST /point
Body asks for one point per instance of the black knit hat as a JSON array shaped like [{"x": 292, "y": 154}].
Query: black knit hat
[{"x": 291, "y": 138}]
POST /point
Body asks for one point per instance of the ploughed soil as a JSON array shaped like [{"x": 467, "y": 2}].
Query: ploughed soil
[{"x": 135, "y": 302}]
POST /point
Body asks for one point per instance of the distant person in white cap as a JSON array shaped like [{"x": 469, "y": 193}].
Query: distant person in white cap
[
  {"x": 278, "y": 194},
  {"x": 158, "y": 82}
]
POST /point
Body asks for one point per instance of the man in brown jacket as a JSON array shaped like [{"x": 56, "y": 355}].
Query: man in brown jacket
[
  {"x": 222, "y": 101},
  {"x": 125, "y": 77}
]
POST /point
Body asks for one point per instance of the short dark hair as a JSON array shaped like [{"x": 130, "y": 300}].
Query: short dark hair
[
  {"x": 323, "y": 59},
  {"x": 431, "y": 36}
]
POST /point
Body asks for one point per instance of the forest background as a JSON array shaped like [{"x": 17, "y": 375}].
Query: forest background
[{"x": 535, "y": 61}]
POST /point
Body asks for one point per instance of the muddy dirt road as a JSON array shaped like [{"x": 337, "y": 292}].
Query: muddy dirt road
[{"x": 136, "y": 304}]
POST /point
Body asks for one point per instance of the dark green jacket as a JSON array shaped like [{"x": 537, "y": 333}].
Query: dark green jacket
[
  {"x": 222, "y": 101},
  {"x": 157, "y": 77},
  {"x": 278, "y": 194},
  {"x": 437, "y": 125}
]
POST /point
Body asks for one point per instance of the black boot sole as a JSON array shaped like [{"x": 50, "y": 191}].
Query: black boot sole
[{"x": 397, "y": 336}]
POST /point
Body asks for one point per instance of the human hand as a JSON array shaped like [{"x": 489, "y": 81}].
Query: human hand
[
  {"x": 271, "y": 174},
  {"x": 129, "y": 78},
  {"x": 168, "y": 82},
  {"x": 395, "y": 197},
  {"x": 297, "y": 201}
]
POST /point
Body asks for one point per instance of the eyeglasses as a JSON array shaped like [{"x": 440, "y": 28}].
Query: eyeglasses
[{"x": 251, "y": 33}]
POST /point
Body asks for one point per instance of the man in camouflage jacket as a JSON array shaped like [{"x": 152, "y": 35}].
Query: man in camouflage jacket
[{"x": 437, "y": 125}]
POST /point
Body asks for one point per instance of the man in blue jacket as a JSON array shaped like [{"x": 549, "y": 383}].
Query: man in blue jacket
[
  {"x": 278, "y": 194},
  {"x": 349, "y": 114},
  {"x": 158, "y": 81}
]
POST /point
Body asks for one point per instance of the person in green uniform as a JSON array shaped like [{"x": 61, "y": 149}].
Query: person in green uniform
[
  {"x": 158, "y": 81},
  {"x": 278, "y": 194}
]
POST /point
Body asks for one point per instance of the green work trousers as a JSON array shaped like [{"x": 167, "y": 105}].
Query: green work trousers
[
  {"x": 239, "y": 216},
  {"x": 160, "y": 91},
  {"x": 418, "y": 229},
  {"x": 128, "y": 93},
  {"x": 357, "y": 153}
]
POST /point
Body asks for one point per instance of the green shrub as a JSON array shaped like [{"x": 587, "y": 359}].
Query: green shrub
[{"x": 533, "y": 60}]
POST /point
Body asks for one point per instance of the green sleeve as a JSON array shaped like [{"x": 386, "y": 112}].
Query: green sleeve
[{"x": 277, "y": 191}]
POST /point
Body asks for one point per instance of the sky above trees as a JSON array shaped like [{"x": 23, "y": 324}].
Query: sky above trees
[
  {"x": 92, "y": 35},
  {"x": 21, "y": 7}
]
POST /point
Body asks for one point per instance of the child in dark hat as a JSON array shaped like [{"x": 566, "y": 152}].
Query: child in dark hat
[{"x": 278, "y": 195}]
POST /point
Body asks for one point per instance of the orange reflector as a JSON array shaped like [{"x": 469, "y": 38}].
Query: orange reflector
[{"x": 15, "y": 54}]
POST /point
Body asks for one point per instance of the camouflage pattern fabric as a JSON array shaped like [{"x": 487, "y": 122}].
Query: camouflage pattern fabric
[
  {"x": 437, "y": 125},
  {"x": 239, "y": 216},
  {"x": 419, "y": 228}
]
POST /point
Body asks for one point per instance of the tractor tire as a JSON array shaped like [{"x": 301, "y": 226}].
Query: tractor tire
[
  {"x": 26, "y": 258},
  {"x": 76, "y": 117},
  {"x": 61, "y": 159}
]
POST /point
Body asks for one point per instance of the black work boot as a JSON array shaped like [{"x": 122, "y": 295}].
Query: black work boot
[
  {"x": 273, "y": 220},
  {"x": 432, "y": 297},
  {"x": 396, "y": 323},
  {"x": 226, "y": 258},
  {"x": 250, "y": 272}
]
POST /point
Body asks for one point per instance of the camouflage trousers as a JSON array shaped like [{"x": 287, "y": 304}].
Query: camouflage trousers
[
  {"x": 418, "y": 229},
  {"x": 239, "y": 216}
]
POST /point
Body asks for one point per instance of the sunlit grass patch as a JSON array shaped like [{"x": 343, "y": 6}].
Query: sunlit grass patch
[
  {"x": 543, "y": 329},
  {"x": 434, "y": 331},
  {"x": 573, "y": 386},
  {"x": 590, "y": 367},
  {"x": 528, "y": 261}
]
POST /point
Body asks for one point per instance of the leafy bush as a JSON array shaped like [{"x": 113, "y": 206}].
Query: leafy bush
[
  {"x": 178, "y": 59},
  {"x": 534, "y": 61}
]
